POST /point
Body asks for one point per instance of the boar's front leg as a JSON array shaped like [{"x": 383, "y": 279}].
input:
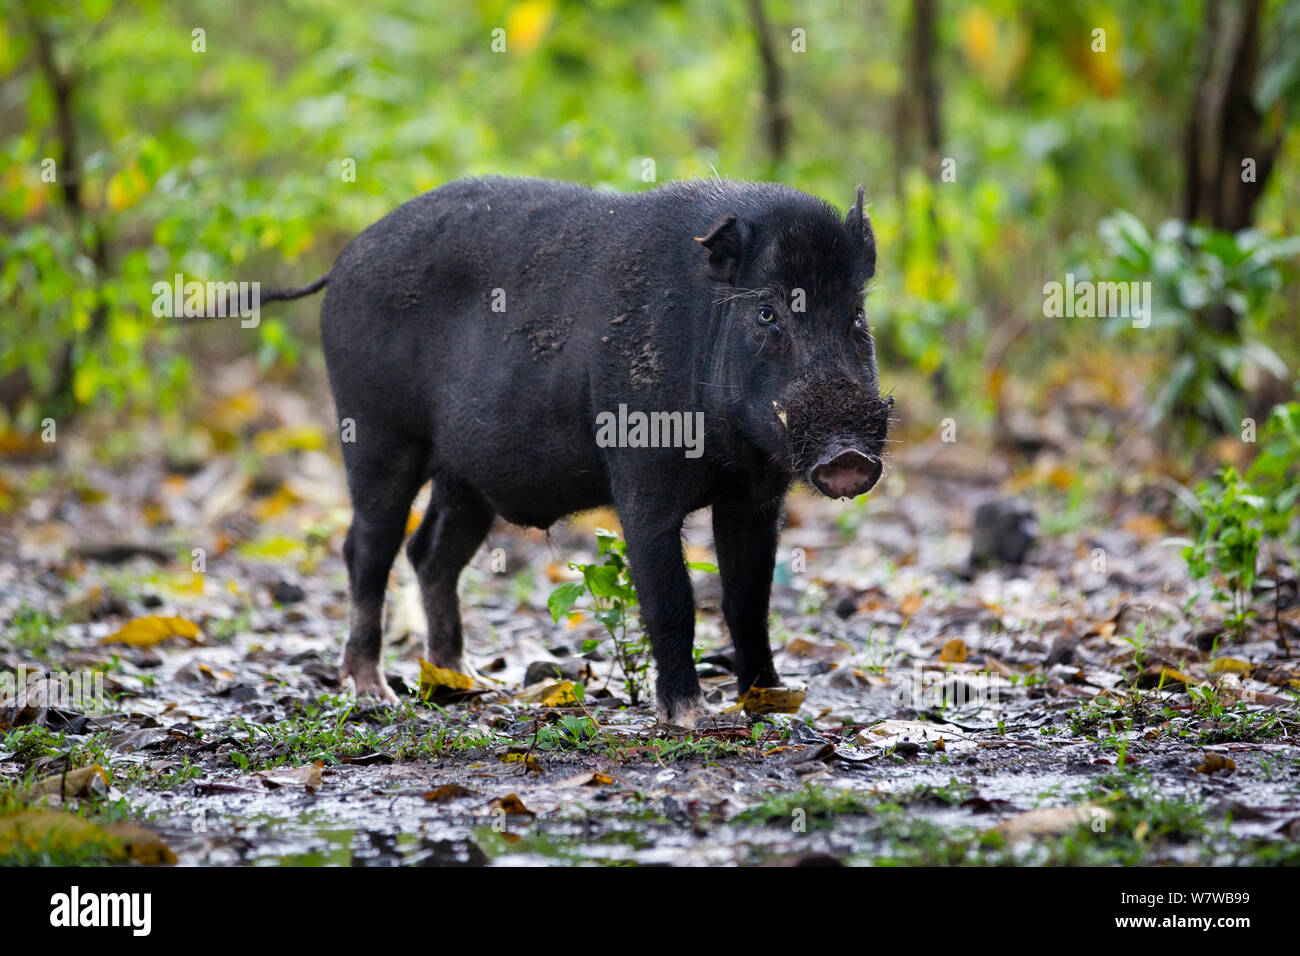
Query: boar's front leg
[
  {"x": 654, "y": 550},
  {"x": 745, "y": 538}
]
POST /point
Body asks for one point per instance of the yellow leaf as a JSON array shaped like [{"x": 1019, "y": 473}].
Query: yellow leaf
[
  {"x": 432, "y": 679},
  {"x": 1062, "y": 479},
  {"x": 911, "y": 604},
  {"x": 531, "y": 763},
  {"x": 148, "y": 631},
  {"x": 954, "y": 652},
  {"x": 413, "y": 520},
  {"x": 276, "y": 504},
  {"x": 559, "y": 695},
  {"x": 125, "y": 188},
  {"x": 276, "y": 441},
  {"x": 1230, "y": 665}
]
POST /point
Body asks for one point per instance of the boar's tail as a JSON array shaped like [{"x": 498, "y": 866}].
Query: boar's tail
[
  {"x": 280, "y": 295},
  {"x": 224, "y": 307}
]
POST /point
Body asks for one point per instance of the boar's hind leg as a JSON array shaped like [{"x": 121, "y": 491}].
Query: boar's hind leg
[
  {"x": 382, "y": 488},
  {"x": 745, "y": 538},
  {"x": 453, "y": 528},
  {"x": 654, "y": 550}
]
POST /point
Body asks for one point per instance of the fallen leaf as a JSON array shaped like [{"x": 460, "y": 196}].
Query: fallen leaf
[
  {"x": 772, "y": 700},
  {"x": 148, "y": 631},
  {"x": 433, "y": 679},
  {"x": 307, "y": 776},
  {"x": 1230, "y": 665},
  {"x": 75, "y": 783},
  {"x": 55, "y": 832},
  {"x": 911, "y": 604},
  {"x": 553, "y": 694},
  {"x": 530, "y": 762},
  {"x": 954, "y": 652},
  {"x": 511, "y": 804},
  {"x": 448, "y": 791},
  {"x": 595, "y": 778},
  {"x": 803, "y": 647},
  {"x": 1214, "y": 762},
  {"x": 1053, "y": 821}
]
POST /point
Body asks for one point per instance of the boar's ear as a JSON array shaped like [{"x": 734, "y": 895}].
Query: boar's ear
[
  {"x": 859, "y": 227},
  {"x": 725, "y": 242}
]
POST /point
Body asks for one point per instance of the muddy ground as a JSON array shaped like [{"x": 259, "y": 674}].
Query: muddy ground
[{"x": 1083, "y": 706}]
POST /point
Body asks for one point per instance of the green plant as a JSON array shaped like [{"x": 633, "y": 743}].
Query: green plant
[
  {"x": 1237, "y": 516},
  {"x": 608, "y": 584},
  {"x": 1209, "y": 289}
]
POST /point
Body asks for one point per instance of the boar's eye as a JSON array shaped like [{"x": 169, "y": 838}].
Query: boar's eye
[{"x": 765, "y": 315}]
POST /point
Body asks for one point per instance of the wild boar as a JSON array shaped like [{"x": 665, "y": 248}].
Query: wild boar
[{"x": 486, "y": 335}]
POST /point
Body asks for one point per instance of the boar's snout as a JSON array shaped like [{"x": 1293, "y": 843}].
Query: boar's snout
[{"x": 846, "y": 474}]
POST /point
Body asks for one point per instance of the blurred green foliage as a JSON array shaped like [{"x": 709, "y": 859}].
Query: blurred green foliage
[{"x": 229, "y": 164}]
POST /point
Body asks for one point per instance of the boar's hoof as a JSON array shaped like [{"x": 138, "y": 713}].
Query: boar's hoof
[
  {"x": 846, "y": 474},
  {"x": 367, "y": 681},
  {"x": 685, "y": 714}
]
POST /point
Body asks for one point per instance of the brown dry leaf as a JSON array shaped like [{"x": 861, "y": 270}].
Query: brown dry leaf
[
  {"x": 413, "y": 520},
  {"x": 308, "y": 776},
  {"x": 448, "y": 791},
  {"x": 595, "y": 778},
  {"x": 772, "y": 700},
  {"x": 1144, "y": 526},
  {"x": 1053, "y": 821},
  {"x": 813, "y": 650},
  {"x": 511, "y": 804},
  {"x": 148, "y": 631},
  {"x": 75, "y": 783},
  {"x": 432, "y": 679},
  {"x": 910, "y": 604},
  {"x": 954, "y": 652},
  {"x": 1215, "y": 762}
]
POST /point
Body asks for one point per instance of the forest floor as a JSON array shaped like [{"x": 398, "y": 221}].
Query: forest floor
[{"x": 1085, "y": 706}]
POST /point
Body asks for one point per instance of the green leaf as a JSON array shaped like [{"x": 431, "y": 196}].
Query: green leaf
[{"x": 563, "y": 598}]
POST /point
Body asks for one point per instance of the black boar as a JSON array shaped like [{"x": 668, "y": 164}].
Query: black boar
[{"x": 479, "y": 335}]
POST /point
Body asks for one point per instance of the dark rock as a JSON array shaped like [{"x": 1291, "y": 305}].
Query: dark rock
[
  {"x": 1005, "y": 529},
  {"x": 846, "y": 606},
  {"x": 576, "y": 669},
  {"x": 282, "y": 592}
]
